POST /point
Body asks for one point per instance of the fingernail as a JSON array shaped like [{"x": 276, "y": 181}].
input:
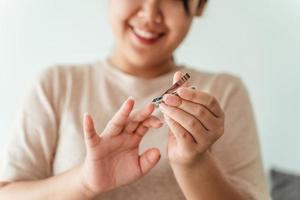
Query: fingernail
[
  {"x": 165, "y": 97},
  {"x": 172, "y": 100},
  {"x": 126, "y": 101},
  {"x": 153, "y": 156}
]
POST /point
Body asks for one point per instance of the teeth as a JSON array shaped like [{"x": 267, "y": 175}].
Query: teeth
[{"x": 145, "y": 34}]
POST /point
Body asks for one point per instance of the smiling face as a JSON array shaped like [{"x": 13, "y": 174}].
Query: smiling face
[{"x": 148, "y": 31}]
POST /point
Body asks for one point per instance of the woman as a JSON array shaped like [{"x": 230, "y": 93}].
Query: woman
[{"x": 54, "y": 155}]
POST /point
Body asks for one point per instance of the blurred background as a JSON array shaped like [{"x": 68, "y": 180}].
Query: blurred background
[{"x": 258, "y": 40}]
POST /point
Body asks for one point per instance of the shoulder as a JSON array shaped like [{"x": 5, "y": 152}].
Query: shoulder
[
  {"x": 61, "y": 82},
  {"x": 62, "y": 77},
  {"x": 63, "y": 72}
]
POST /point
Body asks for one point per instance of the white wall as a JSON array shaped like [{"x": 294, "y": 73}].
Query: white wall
[{"x": 258, "y": 40}]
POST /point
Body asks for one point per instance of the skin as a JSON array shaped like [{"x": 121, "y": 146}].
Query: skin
[
  {"x": 112, "y": 160},
  {"x": 196, "y": 122},
  {"x": 167, "y": 17},
  {"x": 195, "y": 119}
]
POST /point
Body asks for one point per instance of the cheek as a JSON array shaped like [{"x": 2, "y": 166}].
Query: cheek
[
  {"x": 121, "y": 10},
  {"x": 178, "y": 25}
]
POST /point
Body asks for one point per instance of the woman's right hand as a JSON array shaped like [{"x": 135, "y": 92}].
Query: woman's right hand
[{"x": 112, "y": 158}]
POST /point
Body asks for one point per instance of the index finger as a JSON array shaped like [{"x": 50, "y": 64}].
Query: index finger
[
  {"x": 139, "y": 116},
  {"x": 177, "y": 76},
  {"x": 119, "y": 120},
  {"x": 203, "y": 99}
]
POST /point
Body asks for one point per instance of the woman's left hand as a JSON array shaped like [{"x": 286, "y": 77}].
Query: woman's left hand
[{"x": 196, "y": 122}]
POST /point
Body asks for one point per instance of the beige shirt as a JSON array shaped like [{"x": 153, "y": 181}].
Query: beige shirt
[{"x": 47, "y": 138}]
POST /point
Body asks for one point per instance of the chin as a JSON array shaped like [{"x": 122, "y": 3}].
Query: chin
[{"x": 143, "y": 61}]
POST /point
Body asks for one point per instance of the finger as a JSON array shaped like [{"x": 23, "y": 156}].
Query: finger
[
  {"x": 91, "y": 137},
  {"x": 116, "y": 125},
  {"x": 142, "y": 128},
  {"x": 153, "y": 122},
  {"x": 172, "y": 100},
  {"x": 148, "y": 160},
  {"x": 188, "y": 122},
  {"x": 177, "y": 76},
  {"x": 202, "y": 98},
  {"x": 139, "y": 116},
  {"x": 141, "y": 131},
  {"x": 171, "y": 140},
  {"x": 150, "y": 122},
  {"x": 209, "y": 121},
  {"x": 183, "y": 138},
  {"x": 143, "y": 113}
]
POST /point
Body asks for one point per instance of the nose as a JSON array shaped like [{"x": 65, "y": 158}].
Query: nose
[{"x": 150, "y": 11}]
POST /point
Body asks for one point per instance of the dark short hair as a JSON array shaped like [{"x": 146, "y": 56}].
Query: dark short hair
[{"x": 186, "y": 5}]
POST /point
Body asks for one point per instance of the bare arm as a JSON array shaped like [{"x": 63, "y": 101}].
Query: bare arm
[
  {"x": 68, "y": 185},
  {"x": 205, "y": 181}
]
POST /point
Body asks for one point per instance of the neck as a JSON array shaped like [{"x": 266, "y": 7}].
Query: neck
[{"x": 146, "y": 71}]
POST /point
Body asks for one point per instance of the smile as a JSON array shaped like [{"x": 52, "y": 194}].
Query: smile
[{"x": 146, "y": 37}]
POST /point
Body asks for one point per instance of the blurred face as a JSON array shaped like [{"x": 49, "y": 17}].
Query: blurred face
[{"x": 148, "y": 31}]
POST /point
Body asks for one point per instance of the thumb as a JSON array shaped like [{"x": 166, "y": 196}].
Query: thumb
[
  {"x": 177, "y": 76},
  {"x": 90, "y": 135},
  {"x": 149, "y": 159}
]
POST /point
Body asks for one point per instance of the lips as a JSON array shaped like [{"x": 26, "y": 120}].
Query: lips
[{"x": 146, "y": 36}]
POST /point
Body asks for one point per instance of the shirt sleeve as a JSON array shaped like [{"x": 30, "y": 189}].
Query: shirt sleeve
[
  {"x": 238, "y": 150},
  {"x": 32, "y": 140}
]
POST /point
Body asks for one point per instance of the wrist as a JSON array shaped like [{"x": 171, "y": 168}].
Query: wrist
[
  {"x": 205, "y": 171},
  {"x": 83, "y": 185},
  {"x": 199, "y": 165},
  {"x": 201, "y": 162}
]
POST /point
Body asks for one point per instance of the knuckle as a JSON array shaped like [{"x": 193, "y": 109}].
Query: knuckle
[
  {"x": 184, "y": 134},
  {"x": 221, "y": 131},
  {"x": 200, "y": 112},
  {"x": 90, "y": 130},
  {"x": 192, "y": 123},
  {"x": 172, "y": 113},
  {"x": 116, "y": 124},
  {"x": 218, "y": 133},
  {"x": 211, "y": 102},
  {"x": 172, "y": 123}
]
